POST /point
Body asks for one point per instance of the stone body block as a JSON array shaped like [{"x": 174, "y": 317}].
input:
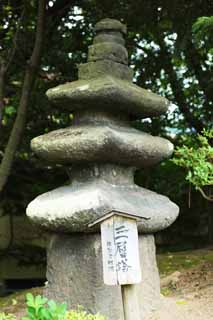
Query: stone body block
[
  {"x": 101, "y": 68},
  {"x": 108, "y": 50},
  {"x": 75, "y": 276}
]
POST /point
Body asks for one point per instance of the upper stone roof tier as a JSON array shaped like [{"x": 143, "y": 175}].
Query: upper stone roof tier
[
  {"x": 108, "y": 94},
  {"x": 105, "y": 81}
]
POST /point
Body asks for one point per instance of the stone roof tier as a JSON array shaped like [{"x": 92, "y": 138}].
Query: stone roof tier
[
  {"x": 98, "y": 144},
  {"x": 109, "y": 94}
]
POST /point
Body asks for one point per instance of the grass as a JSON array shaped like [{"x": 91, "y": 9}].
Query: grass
[{"x": 172, "y": 261}]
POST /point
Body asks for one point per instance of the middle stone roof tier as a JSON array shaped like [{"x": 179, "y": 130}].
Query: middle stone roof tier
[
  {"x": 100, "y": 144},
  {"x": 109, "y": 94}
]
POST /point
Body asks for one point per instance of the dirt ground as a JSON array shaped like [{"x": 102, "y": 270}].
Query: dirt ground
[
  {"x": 189, "y": 294},
  {"x": 185, "y": 307}
]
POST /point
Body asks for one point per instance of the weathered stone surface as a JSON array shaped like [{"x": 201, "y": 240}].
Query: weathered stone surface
[
  {"x": 95, "y": 143},
  {"x": 108, "y": 51},
  {"x": 74, "y": 274},
  {"x": 109, "y": 37},
  {"x": 100, "y": 118},
  {"x": 71, "y": 208},
  {"x": 109, "y": 94},
  {"x": 110, "y": 25},
  {"x": 97, "y": 69}
]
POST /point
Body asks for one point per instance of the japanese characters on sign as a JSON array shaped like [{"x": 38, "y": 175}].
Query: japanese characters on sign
[{"x": 120, "y": 252}]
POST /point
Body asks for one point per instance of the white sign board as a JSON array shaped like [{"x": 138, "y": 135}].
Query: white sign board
[{"x": 121, "y": 264}]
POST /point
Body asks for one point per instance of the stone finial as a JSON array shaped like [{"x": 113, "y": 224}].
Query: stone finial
[
  {"x": 108, "y": 43},
  {"x": 110, "y": 25}
]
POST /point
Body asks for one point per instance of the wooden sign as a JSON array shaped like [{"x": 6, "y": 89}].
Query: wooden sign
[{"x": 121, "y": 264}]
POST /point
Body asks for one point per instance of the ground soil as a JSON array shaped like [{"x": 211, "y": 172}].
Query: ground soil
[
  {"x": 186, "y": 308},
  {"x": 189, "y": 294}
]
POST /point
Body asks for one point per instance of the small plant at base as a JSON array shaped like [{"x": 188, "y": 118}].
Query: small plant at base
[
  {"x": 9, "y": 316},
  {"x": 39, "y": 308},
  {"x": 81, "y": 314}
]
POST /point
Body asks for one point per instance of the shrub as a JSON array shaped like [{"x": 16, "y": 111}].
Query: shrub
[{"x": 196, "y": 156}]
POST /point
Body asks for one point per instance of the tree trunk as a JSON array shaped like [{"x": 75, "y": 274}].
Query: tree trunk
[
  {"x": 210, "y": 222},
  {"x": 19, "y": 124}
]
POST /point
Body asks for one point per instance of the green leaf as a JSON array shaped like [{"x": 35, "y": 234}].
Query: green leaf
[
  {"x": 31, "y": 311},
  {"x": 45, "y": 314},
  {"x": 52, "y": 305},
  {"x": 30, "y": 299}
]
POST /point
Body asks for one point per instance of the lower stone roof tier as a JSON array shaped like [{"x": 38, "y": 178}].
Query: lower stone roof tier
[
  {"x": 102, "y": 144},
  {"x": 108, "y": 94},
  {"x": 71, "y": 208}
]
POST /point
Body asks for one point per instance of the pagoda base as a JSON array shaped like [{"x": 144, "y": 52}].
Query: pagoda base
[{"x": 74, "y": 274}]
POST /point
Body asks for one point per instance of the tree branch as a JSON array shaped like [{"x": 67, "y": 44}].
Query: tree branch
[
  {"x": 177, "y": 89},
  {"x": 12, "y": 52},
  {"x": 4, "y": 66},
  {"x": 60, "y": 7},
  {"x": 30, "y": 73},
  {"x": 57, "y": 12},
  {"x": 209, "y": 198}
]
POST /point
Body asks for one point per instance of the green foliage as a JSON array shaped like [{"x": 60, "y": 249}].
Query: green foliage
[
  {"x": 196, "y": 156},
  {"x": 202, "y": 25},
  {"x": 202, "y": 30},
  {"x": 182, "y": 73},
  {"x": 9, "y": 316},
  {"x": 40, "y": 308}
]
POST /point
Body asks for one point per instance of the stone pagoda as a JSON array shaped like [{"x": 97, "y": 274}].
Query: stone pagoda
[{"x": 101, "y": 151}]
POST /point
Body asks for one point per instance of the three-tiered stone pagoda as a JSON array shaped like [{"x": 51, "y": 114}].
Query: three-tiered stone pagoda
[{"x": 102, "y": 151}]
